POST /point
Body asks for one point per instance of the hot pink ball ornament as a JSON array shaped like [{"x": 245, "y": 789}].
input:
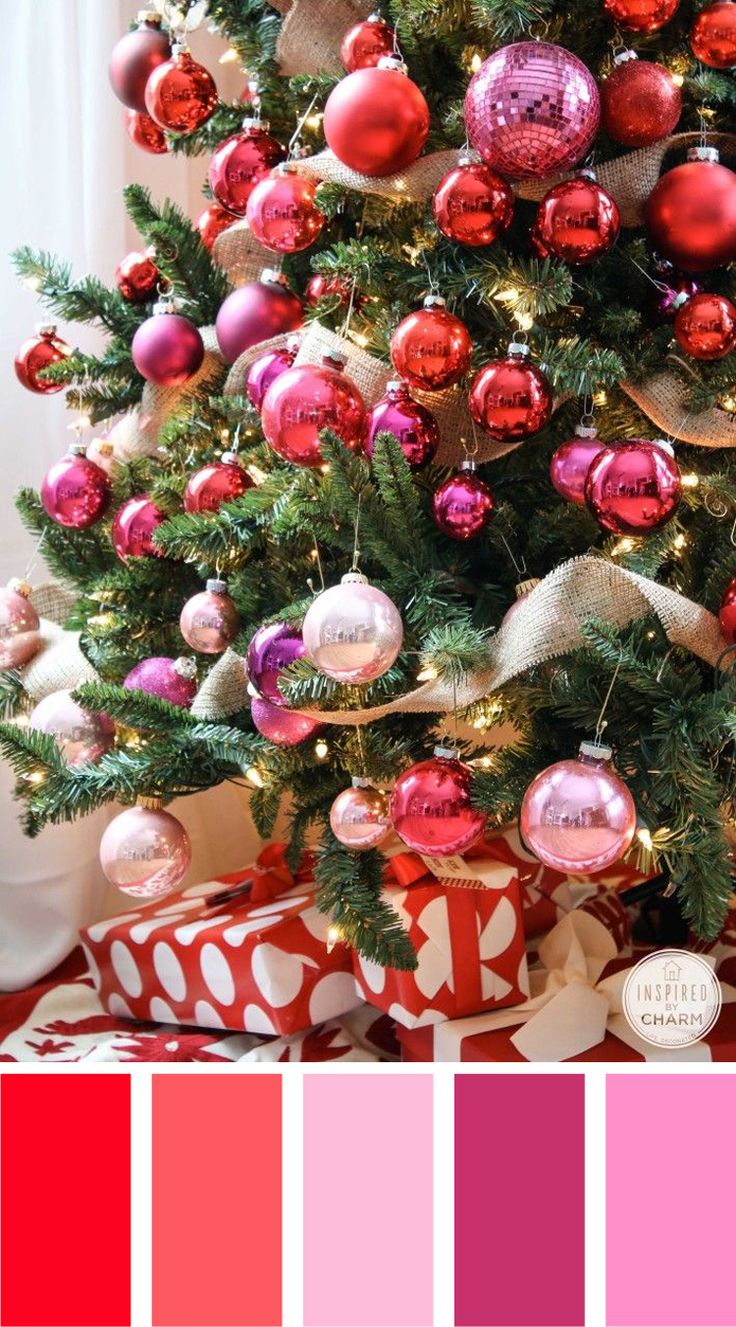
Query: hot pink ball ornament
[
  {"x": 570, "y": 464},
  {"x": 578, "y": 815},
  {"x": 353, "y": 631},
  {"x": 220, "y": 481},
  {"x": 75, "y": 492},
  {"x": 133, "y": 528},
  {"x": 167, "y": 348},
  {"x": 267, "y": 369},
  {"x": 307, "y": 399},
  {"x": 20, "y": 635},
  {"x": 463, "y": 505},
  {"x": 174, "y": 680},
  {"x": 431, "y": 807},
  {"x": 282, "y": 213},
  {"x": 281, "y": 726},
  {"x": 359, "y": 816},
  {"x": 80, "y": 735},
  {"x": 145, "y": 852},
  {"x": 240, "y": 162},
  {"x": 209, "y": 621},
  {"x": 256, "y": 312},
  {"x": 634, "y": 487},
  {"x": 412, "y": 424}
]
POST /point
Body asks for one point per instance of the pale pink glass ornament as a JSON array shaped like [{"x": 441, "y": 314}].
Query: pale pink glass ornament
[
  {"x": 353, "y": 632},
  {"x": 578, "y": 815},
  {"x": 145, "y": 851},
  {"x": 81, "y": 735},
  {"x": 209, "y": 621},
  {"x": 359, "y": 816},
  {"x": 20, "y": 636}
]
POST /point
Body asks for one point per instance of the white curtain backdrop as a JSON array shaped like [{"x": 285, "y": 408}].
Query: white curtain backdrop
[{"x": 67, "y": 159}]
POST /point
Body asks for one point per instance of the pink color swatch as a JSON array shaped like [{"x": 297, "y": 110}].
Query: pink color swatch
[
  {"x": 367, "y": 1200},
  {"x": 217, "y": 1200},
  {"x": 669, "y": 1245},
  {"x": 519, "y": 1200}
]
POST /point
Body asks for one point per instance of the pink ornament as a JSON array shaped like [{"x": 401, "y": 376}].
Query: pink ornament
[
  {"x": 20, "y": 636},
  {"x": 307, "y": 399},
  {"x": 413, "y": 425},
  {"x": 209, "y": 621},
  {"x": 281, "y": 726},
  {"x": 571, "y": 462},
  {"x": 578, "y": 815},
  {"x": 463, "y": 505},
  {"x": 353, "y": 632},
  {"x": 169, "y": 679},
  {"x": 145, "y": 852},
  {"x": 633, "y": 487},
  {"x": 240, "y": 162},
  {"x": 282, "y": 213},
  {"x": 272, "y": 649},
  {"x": 266, "y": 370},
  {"x": 102, "y": 452},
  {"x": 167, "y": 349},
  {"x": 359, "y": 816},
  {"x": 134, "y": 58},
  {"x": 220, "y": 481},
  {"x": 80, "y": 735},
  {"x": 75, "y": 491},
  {"x": 256, "y": 312},
  {"x": 431, "y": 807},
  {"x": 532, "y": 110},
  {"x": 133, "y": 528}
]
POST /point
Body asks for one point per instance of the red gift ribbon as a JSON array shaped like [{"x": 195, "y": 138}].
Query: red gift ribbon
[{"x": 271, "y": 877}]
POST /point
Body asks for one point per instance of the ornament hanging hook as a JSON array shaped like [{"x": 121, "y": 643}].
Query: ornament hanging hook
[
  {"x": 520, "y": 567},
  {"x": 356, "y": 546},
  {"x": 296, "y": 136},
  {"x": 318, "y": 560},
  {"x": 601, "y": 721}
]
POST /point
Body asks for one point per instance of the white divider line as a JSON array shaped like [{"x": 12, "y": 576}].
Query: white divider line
[
  {"x": 444, "y": 1196},
  {"x": 595, "y": 1196},
  {"x": 292, "y": 1155},
  {"x": 141, "y": 1151}
]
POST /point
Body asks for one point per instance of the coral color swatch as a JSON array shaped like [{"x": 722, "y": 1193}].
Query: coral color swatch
[
  {"x": 65, "y": 1199},
  {"x": 216, "y": 1200},
  {"x": 368, "y": 1200},
  {"x": 519, "y": 1200}
]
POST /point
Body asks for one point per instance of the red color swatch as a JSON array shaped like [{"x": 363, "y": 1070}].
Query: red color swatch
[
  {"x": 217, "y": 1200},
  {"x": 65, "y": 1200},
  {"x": 519, "y": 1200}
]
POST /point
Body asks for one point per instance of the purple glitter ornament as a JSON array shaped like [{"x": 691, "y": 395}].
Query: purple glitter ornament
[
  {"x": 412, "y": 424},
  {"x": 532, "y": 110},
  {"x": 169, "y": 679},
  {"x": 271, "y": 650},
  {"x": 281, "y": 726}
]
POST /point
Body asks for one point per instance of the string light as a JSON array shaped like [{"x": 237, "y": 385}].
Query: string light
[
  {"x": 229, "y": 56},
  {"x": 33, "y": 282},
  {"x": 254, "y": 776},
  {"x": 37, "y": 777},
  {"x": 321, "y": 749},
  {"x": 645, "y": 838},
  {"x": 690, "y": 481},
  {"x": 314, "y": 121},
  {"x": 624, "y": 545},
  {"x": 476, "y": 62},
  {"x": 679, "y": 542},
  {"x": 427, "y": 674},
  {"x": 600, "y": 398},
  {"x": 334, "y": 937},
  {"x": 678, "y": 80}
]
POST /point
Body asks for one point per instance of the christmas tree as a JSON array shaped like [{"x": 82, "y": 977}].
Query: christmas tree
[{"x": 510, "y": 371}]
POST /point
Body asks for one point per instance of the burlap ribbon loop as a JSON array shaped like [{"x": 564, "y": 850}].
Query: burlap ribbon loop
[
  {"x": 309, "y": 41},
  {"x": 240, "y": 255}
]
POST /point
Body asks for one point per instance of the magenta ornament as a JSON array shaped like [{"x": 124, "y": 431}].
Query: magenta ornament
[
  {"x": 578, "y": 815},
  {"x": 266, "y": 370},
  {"x": 167, "y": 348},
  {"x": 80, "y": 735},
  {"x": 20, "y": 636},
  {"x": 671, "y": 294},
  {"x": 75, "y": 492},
  {"x": 463, "y": 505},
  {"x": 431, "y": 807},
  {"x": 570, "y": 464},
  {"x": 412, "y": 424},
  {"x": 145, "y": 852},
  {"x": 359, "y": 816},
  {"x": 282, "y": 213},
  {"x": 133, "y": 528},
  {"x": 209, "y": 621},
  {"x": 169, "y": 679},
  {"x": 634, "y": 487},
  {"x": 352, "y": 632},
  {"x": 281, "y": 726},
  {"x": 307, "y": 399},
  {"x": 220, "y": 481},
  {"x": 272, "y": 649},
  {"x": 240, "y": 162},
  {"x": 256, "y": 312}
]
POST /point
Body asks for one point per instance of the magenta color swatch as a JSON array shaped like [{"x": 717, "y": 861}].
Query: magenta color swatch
[
  {"x": 669, "y": 1173},
  {"x": 519, "y": 1200},
  {"x": 368, "y": 1200}
]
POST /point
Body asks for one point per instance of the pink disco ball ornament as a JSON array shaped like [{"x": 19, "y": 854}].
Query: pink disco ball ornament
[
  {"x": 209, "y": 621},
  {"x": 272, "y": 649},
  {"x": 570, "y": 464},
  {"x": 134, "y": 526},
  {"x": 532, "y": 110},
  {"x": 359, "y": 816},
  {"x": 145, "y": 852},
  {"x": 281, "y": 726},
  {"x": 353, "y": 631},
  {"x": 578, "y": 815},
  {"x": 20, "y": 634},
  {"x": 431, "y": 808},
  {"x": 80, "y": 735},
  {"x": 174, "y": 680}
]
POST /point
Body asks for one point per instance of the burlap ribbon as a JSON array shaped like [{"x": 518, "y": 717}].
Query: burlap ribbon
[
  {"x": 224, "y": 690},
  {"x": 309, "y": 41},
  {"x": 136, "y": 434},
  {"x": 240, "y": 255}
]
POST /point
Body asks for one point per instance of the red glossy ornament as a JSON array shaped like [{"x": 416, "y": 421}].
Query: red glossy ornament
[
  {"x": 641, "y": 15},
  {"x": 220, "y": 481},
  {"x": 431, "y": 348},
  {"x": 75, "y": 491},
  {"x": 633, "y": 487},
  {"x": 472, "y": 204},
  {"x": 713, "y": 35},
  {"x": 307, "y": 399},
  {"x": 511, "y": 398},
  {"x": 133, "y": 528},
  {"x": 640, "y": 101},
  {"x": 578, "y": 815},
  {"x": 167, "y": 348},
  {"x": 431, "y": 807},
  {"x": 365, "y": 43},
  {"x": 570, "y": 464},
  {"x": 137, "y": 278},
  {"x": 691, "y": 213},
  {"x": 134, "y": 58},
  {"x": 37, "y": 353},
  {"x": 282, "y": 213},
  {"x": 412, "y": 424},
  {"x": 281, "y": 726},
  {"x": 727, "y": 612},
  {"x": 145, "y": 133},
  {"x": 463, "y": 505},
  {"x": 376, "y": 121},
  {"x": 256, "y": 312},
  {"x": 209, "y": 621},
  {"x": 181, "y": 94},
  {"x": 240, "y": 162},
  {"x": 332, "y": 287},
  {"x": 267, "y": 369},
  {"x": 576, "y": 221},
  {"x": 20, "y": 626},
  {"x": 705, "y": 326},
  {"x": 211, "y": 223}
]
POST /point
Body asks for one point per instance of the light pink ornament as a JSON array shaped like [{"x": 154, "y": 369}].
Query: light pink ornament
[
  {"x": 578, "y": 815},
  {"x": 281, "y": 726},
  {"x": 359, "y": 816},
  {"x": 80, "y": 735},
  {"x": 570, "y": 464},
  {"x": 209, "y": 621},
  {"x": 521, "y": 590},
  {"x": 20, "y": 636},
  {"x": 353, "y": 632},
  {"x": 145, "y": 852}
]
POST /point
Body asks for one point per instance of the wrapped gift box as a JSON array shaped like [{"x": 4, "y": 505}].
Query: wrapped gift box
[
  {"x": 257, "y": 961},
  {"x": 464, "y": 920}
]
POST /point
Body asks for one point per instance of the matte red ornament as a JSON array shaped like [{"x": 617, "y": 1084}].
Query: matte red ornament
[
  {"x": 20, "y": 626},
  {"x": 691, "y": 213},
  {"x": 640, "y": 101},
  {"x": 576, "y": 221},
  {"x": 376, "y": 121},
  {"x": 431, "y": 348},
  {"x": 412, "y": 424},
  {"x": 211, "y": 223},
  {"x": 134, "y": 58},
  {"x": 570, "y": 464},
  {"x": 220, "y": 481},
  {"x": 713, "y": 35},
  {"x": 705, "y": 327},
  {"x": 167, "y": 348},
  {"x": 511, "y": 398},
  {"x": 282, "y": 213},
  {"x": 137, "y": 278},
  {"x": 472, "y": 204},
  {"x": 256, "y": 312},
  {"x": 463, "y": 505},
  {"x": 532, "y": 110},
  {"x": 181, "y": 94},
  {"x": 75, "y": 492},
  {"x": 145, "y": 133},
  {"x": 307, "y": 399},
  {"x": 37, "y": 353},
  {"x": 365, "y": 43},
  {"x": 240, "y": 162},
  {"x": 727, "y": 612},
  {"x": 133, "y": 528},
  {"x": 266, "y": 370},
  {"x": 633, "y": 487},
  {"x": 209, "y": 621},
  {"x": 641, "y": 15},
  {"x": 431, "y": 807}
]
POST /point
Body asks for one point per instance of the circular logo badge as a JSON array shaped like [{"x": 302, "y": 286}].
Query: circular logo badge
[{"x": 671, "y": 998}]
